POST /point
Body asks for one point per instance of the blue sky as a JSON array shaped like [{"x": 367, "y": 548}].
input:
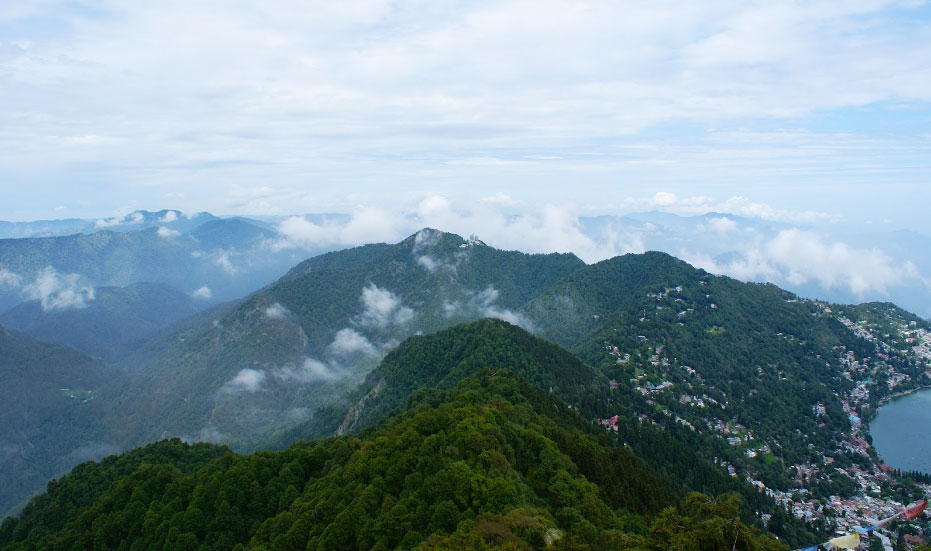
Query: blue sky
[{"x": 817, "y": 111}]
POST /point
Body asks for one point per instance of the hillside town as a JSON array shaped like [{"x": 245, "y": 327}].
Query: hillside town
[{"x": 874, "y": 379}]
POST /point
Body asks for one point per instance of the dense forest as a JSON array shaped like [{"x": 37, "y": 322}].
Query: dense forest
[
  {"x": 493, "y": 463},
  {"x": 441, "y": 359}
]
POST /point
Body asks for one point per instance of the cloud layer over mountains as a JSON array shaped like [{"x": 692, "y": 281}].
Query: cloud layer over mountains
[
  {"x": 805, "y": 251},
  {"x": 361, "y": 344},
  {"x": 53, "y": 290},
  {"x": 770, "y": 245},
  {"x": 799, "y": 256}
]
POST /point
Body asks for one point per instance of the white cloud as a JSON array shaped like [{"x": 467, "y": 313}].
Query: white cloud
[
  {"x": 745, "y": 207},
  {"x": 428, "y": 262},
  {"x": 107, "y": 222},
  {"x": 807, "y": 256},
  {"x": 169, "y": 217},
  {"x": 752, "y": 265},
  {"x": 208, "y": 434},
  {"x": 129, "y": 219},
  {"x": 665, "y": 199},
  {"x": 298, "y": 232},
  {"x": 10, "y": 279},
  {"x": 57, "y": 291},
  {"x": 501, "y": 199},
  {"x": 799, "y": 257},
  {"x": 481, "y": 304},
  {"x": 722, "y": 225},
  {"x": 381, "y": 308},
  {"x": 203, "y": 292},
  {"x": 736, "y": 205},
  {"x": 348, "y": 342},
  {"x": 276, "y": 312},
  {"x": 434, "y": 207},
  {"x": 365, "y": 225},
  {"x": 247, "y": 380},
  {"x": 310, "y": 371},
  {"x": 221, "y": 258},
  {"x": 162, "y": 231},
  {"x": 546, "y": 229}
]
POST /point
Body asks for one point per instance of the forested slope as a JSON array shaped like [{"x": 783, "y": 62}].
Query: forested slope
[
  {"x": 494, "y": 463},
  {"x": 313, "y": 335},
  {"x": 51, "y": 400}
]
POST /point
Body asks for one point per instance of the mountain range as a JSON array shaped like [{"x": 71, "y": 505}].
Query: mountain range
[
  {"x": 829, "y": 261},
  {"x": 113, "y": 322},
  {"x": 700, "y": 376},
  {"x": 212, "y": 259}
]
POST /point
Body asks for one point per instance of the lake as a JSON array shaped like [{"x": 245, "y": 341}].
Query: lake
[{"x": 901, "y": 432}]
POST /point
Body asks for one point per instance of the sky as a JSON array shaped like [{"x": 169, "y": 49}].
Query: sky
[{"x": 800, "y": 111}]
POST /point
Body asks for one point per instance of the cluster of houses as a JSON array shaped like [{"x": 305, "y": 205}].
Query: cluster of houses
[{"x": 869, "y": 503}]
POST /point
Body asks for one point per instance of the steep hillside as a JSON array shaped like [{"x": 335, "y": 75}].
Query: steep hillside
[
  {"x": 442, "y": 359},
  {"x": 494, "y": 463},
  {"x": 312, "y": 336},
  {"x": 760, "y": 369},
  {"x": 51, "y": 400},
  {"x": 117, "y": 318}
]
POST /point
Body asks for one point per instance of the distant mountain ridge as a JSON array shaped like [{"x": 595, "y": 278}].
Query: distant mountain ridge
[
  {"x": 211, "y": 258},
  {"x": 754, "y": 248},
  {"x": 133, "y": 221},
  {"x": 107, "y": 326}
]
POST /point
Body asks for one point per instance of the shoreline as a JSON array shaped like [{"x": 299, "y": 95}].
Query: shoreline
[
  {"x": 875, "y": 411},
  {"x": 887, "y": 399}
]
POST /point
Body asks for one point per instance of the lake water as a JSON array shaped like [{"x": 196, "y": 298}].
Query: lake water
[{"x": 901, "y": 432}]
